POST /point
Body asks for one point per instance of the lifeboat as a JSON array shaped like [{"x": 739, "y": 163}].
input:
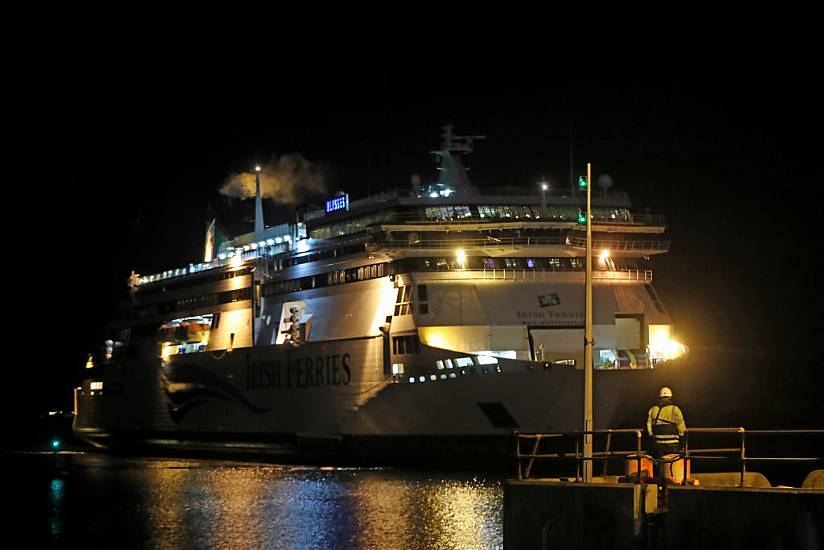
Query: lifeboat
[{"x": 186, "y": 330}]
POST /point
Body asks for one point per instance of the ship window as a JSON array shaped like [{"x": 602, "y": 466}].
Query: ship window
[
  {"x": 360, "y": 273},
  {"x": 441, "y": 264},
  {"x": 423, "y": 307},
  {"x": 511, "y": 263},
  {"x": 555, "y": 263},
  {"x": 463, "y": 362},
  {"x": 439, "y": 364},
  {"x": 576, "y": 263},
  {"x": 403, "y": 306},
  {"x": 530, "y": 263},
  {"x": 489, "y": 263},
  {"x": 402, "y": 345},
  {"x": 606, "y": 359}
]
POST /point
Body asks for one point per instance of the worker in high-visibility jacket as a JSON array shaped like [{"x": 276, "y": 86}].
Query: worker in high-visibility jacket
[{"x": 665, "y": 425}]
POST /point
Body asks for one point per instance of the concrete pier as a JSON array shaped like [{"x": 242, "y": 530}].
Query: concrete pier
[
  {"x": 744, "y": 518},
  {"x": 544, "y": 514}
]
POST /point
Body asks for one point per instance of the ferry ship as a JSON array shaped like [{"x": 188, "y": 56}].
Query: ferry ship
[{"x": 428, "y": 322}]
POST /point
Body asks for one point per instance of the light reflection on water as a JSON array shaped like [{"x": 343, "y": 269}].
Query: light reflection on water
[{"x": 175, "y": 504}]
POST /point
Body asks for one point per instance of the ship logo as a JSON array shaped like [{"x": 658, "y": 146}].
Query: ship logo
[
  {"x": 548, "y": 300},
  {"x": 187, "y": 386}
]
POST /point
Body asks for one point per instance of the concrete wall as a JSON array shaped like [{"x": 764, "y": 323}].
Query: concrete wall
[
  {"x": 745, "y": 519},
  {"x": 550, "y": 514}
]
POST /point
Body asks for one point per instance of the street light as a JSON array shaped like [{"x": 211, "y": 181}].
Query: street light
[
  {"x": 588, "y": 342},
  {"x": 544, "y": 184}
]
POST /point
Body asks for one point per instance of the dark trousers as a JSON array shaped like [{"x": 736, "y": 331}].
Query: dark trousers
[{"x": 658, "y": 452}]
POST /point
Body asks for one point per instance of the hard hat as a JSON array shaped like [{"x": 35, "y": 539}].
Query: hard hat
[{"x": 665, "y": 392}]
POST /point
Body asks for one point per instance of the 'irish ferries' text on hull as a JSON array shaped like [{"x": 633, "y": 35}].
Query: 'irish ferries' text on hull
[{"x": 441, "y": 312}]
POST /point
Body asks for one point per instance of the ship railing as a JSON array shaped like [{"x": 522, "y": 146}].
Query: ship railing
[
  {"x": 635, "y": 275},
  {"x": 652, "y": 220},
  {"x": 621, "y": 245},
  {"x": 617, "y": 245},
  {"x": 530, "y": 448},
  {"x": 415, "y": 218}
]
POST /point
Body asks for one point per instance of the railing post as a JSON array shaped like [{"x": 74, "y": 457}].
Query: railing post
[
  {"x": 532, "y": 456},
  {"x": 638, "y": 453},
  {"x": 607, "y": 453},
  {"x": 518, "y": 454},
  {"x": 743, "y": 455},
  {"x": 577, "y": 460},
  {"x": 686, "y": 457}
]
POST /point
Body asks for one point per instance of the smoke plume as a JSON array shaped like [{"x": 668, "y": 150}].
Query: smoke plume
[{"x": 285, "y": 179}]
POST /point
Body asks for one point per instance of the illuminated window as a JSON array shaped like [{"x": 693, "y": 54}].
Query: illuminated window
[
  {"x": 487, "y": 360},
  {"x": 96, "y": 385},
  {"x": 403, "y": 303}
]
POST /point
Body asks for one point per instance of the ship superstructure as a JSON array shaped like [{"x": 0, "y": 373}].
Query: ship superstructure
[{"x": 440, "y": 311}]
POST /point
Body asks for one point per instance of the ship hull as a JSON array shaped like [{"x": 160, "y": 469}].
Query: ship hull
[{"x": 334, "y": 402}]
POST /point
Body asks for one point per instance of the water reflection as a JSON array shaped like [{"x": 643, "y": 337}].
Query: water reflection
[
  {"x": 56, "y": 511},
  {"x": 177, "y": 504}
]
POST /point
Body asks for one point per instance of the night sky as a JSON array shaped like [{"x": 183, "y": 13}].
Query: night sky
[{"x": 724, "y": 156}]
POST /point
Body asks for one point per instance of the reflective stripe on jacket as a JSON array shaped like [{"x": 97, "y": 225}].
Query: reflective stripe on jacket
[{"x": 666, "y": 423}]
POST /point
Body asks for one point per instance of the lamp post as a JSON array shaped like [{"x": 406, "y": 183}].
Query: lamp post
[
  {"x": 588, "y": 342},
  {"x": 544, "y": 187}
]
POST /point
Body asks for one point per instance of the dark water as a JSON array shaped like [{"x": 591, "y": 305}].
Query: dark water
[{"x": 96, "y": 501}]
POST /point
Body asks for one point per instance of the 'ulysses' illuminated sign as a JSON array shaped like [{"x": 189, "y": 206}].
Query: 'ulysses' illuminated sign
[{"x": 338, "y": 203}]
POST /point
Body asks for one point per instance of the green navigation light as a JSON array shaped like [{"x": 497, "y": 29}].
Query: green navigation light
[
  {"x": 582, "y": 182},
  {"x": 55, "y": 443},
  {"x": 582, "y": 217}
]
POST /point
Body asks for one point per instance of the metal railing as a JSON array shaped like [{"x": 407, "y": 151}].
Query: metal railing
[
  {"x": 616, "y": 245},
  {"x": 739, "y": 452},
  {"x": 524, "y": 470},
  {"x": 526, "y": 460},
  {"x": 637, "y": 275}
]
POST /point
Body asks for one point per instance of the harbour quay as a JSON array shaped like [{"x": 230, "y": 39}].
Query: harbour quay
[{"x": 686, "y": 509}]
